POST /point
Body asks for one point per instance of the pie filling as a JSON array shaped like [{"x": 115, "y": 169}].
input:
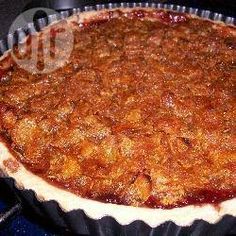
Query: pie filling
[{"x": 143, "y": 113}]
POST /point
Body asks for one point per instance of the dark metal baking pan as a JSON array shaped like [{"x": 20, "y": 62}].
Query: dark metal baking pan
[
  {"x": 77, "y": 221},
  {"x": 39, "y": 23}
]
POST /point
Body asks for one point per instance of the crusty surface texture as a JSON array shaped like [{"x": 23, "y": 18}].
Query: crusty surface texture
[{"x": 143, "y": 114}]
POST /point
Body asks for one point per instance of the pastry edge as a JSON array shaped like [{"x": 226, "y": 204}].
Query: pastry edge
[{"x": 44, "y": 191}]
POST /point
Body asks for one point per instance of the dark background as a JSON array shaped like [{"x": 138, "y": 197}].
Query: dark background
[{"x": 27, "y": 223}]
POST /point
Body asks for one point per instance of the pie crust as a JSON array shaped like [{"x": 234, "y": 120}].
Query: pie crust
[{"x": 182, "y": 216}]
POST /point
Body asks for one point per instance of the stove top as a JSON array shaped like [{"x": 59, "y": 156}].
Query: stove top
[{"x": 22, "y": 222}]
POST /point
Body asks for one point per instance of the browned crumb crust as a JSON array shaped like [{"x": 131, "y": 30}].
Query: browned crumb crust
[{"x": 143, "y": 114}]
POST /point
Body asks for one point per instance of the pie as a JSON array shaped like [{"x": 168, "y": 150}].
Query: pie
[{"x": 141, "y": 116}]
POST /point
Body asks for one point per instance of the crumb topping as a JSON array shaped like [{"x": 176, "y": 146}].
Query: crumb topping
[{"x": 142, "y": 114}]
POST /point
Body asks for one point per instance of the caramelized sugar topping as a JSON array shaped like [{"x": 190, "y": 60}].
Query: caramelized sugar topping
[{"x": 143, "y": 113}]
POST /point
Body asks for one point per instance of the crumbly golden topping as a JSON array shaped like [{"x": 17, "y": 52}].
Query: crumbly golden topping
[{"x": 143, "y": 113}]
